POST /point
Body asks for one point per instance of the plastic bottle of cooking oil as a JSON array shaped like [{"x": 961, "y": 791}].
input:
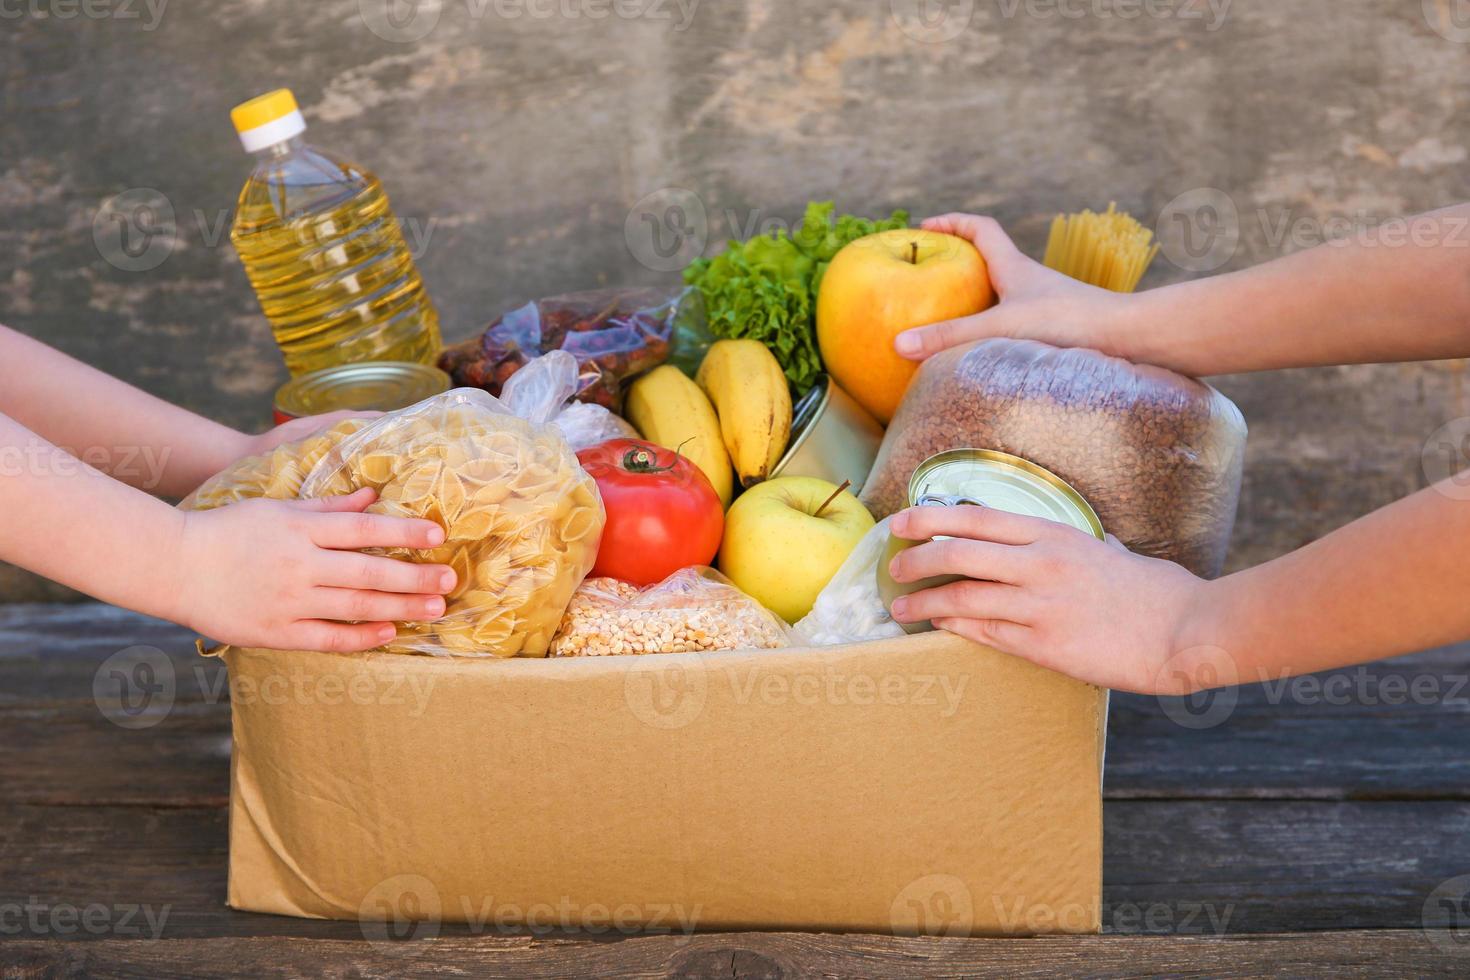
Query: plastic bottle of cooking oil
[{"x": 324, "y": 251}]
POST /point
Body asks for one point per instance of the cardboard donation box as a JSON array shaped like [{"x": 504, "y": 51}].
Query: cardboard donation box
[{"x": 922, "y": 785}]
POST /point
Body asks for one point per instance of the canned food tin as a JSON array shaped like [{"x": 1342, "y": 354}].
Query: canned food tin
[
  {"x": 364, "y": 385},
  {"x": 832, "y": 437},
  {"x": 986, "y": 478}
]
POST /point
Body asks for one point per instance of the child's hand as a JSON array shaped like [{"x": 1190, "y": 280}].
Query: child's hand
[
  {"x": 1036, "y": 303},
  {"x": 299, "y": 429},
  {"x": 1055, "y": 596},
  {"x": 286, "y": 575}
]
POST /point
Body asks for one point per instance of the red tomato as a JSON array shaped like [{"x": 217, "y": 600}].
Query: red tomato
[{"x": 662, "y": 513}]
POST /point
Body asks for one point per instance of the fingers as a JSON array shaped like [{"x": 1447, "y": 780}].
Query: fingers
[
  {"x": 316, "y": 634},
  {"x": 356, "y": 501},
  {"x": 958, "y": 556},
  {"x": 964, "y": 600},
  {"x": 1011, "y": 638},
  {"x": 345, "y": 570},
  {"x": 987, "y": 234},
  {"x": 975, "y": 523},
  {"x": 922, "y": 342},
  {"x": 351, "y": 531},
  {"x": 361, "y": 605}
]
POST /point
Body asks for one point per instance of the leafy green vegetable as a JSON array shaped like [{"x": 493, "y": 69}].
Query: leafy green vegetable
[{"x": 766, "y": 288}]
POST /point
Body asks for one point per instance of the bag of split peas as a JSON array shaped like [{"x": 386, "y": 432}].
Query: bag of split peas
[{"x": 522, "y": 519}]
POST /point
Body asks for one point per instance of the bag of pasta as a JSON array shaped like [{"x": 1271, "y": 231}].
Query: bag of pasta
[
  {"x": 522, "y": 519},
  {"x": 277, "y": 474}
]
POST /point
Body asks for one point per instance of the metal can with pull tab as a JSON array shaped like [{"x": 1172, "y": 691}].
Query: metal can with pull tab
[{"x": 985, "y": 478}]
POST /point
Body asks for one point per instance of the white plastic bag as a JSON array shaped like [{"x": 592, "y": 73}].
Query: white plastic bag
[
  {"x": 849, "y": 609},
  {"x": 543, "y": 391}
]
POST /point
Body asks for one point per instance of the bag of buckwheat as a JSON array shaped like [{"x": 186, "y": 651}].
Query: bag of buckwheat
[{"x": 1158, "y": 455}]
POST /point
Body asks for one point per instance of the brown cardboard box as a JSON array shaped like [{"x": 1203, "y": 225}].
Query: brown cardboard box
[{"x": 919, "y": 785}]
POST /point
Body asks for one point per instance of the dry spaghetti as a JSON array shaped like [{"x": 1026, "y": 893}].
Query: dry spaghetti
[{"x": 1111, "y": 249}]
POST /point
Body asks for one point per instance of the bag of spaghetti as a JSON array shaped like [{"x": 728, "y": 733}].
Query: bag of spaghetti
[{"x": 522, "y": 519}]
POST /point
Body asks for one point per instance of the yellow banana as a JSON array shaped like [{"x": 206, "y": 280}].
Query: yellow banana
[
  {"x": 669, "y": 410},
  {"x": 752, "y": 398}
]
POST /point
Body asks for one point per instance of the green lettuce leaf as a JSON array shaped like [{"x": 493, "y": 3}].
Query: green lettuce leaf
[{"x": 766, "y": 288}]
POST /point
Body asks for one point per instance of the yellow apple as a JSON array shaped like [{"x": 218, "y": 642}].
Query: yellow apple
[
  {"x": 782, "y": 545},
  {"x": 881, "y": 285}
]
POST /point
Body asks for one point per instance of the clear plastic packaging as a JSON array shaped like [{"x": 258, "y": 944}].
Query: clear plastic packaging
[
  {"x": 277, "y": 474},
  {"x": 613, "y": 334},
  {"x": 693, "y": 610},
  {"x": 849, "y": 609},
  {"x": 540, "y": 392},
  {"x": 523, "y": 520},
  {"x": 1156, "y": 454}
]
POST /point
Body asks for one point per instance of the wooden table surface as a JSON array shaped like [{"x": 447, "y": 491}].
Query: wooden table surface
[{"x": 1309, "y": 827}]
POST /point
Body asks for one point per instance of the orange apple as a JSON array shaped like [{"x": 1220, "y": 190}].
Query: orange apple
[{"x": 881, "y": 285}]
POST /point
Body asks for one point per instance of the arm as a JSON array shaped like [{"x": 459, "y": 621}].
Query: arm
[
  {"x": 1390, "y": 583},
  {"x": 1398, "y": 293},
  {"x": 267, "y": 573},
  {"x": 120, "y": 430}
]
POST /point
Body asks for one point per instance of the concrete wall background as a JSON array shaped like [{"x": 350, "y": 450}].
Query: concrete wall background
[{"x": 521, "y": 146}]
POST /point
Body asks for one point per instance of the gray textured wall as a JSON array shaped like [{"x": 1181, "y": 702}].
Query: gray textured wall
[{"x": 518, "y": 144}]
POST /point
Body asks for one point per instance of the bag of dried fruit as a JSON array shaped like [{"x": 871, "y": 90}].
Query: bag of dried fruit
[
  {"x": 613, "y": 335},
  {"x": 1158, "y": 455}
]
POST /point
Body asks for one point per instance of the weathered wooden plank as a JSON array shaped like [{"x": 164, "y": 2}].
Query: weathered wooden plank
[
  {"x": 1391, "y": 729},
  {"x": 1190, "y": 867},
  {"x": 755, "y": 955},
  {"x": 53, "y": 652}
]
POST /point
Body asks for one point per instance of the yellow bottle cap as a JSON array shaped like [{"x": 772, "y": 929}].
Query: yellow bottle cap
[
  {"x": 263, "y": 109},
  {"x": 267, "y": 119}
]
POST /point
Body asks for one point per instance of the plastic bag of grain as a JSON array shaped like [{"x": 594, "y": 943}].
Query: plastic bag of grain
[{"x": 1158, "y": 455}]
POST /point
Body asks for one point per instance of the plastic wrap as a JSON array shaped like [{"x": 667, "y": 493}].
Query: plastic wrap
[
  {"x": 613, "y": 334},
  {"x": 693, "y": 610},
  {"x": 277, "y": 474},
  {"x": 849, "y": 609},
  {"x": 541, "y": 391},
  {"x": 1158, "y": 455},
  {"x": 522, "y": 519}
]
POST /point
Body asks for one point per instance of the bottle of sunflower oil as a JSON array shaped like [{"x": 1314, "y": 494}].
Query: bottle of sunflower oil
[{"x": 324, "y": 251}]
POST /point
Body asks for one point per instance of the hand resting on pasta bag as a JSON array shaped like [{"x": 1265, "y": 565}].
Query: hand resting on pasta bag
[{"x": 286, "y": 574}]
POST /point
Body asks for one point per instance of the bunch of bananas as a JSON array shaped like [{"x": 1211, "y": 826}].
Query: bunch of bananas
[{"x": 732, "y": 421}]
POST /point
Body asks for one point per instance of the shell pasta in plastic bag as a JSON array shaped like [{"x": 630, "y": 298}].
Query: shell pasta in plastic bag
[
  {"x": 277, "y": 474},
  {"x": 522, "y": 519}
]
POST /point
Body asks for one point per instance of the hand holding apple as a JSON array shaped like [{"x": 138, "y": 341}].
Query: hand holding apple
[{"x": 881, "y": 285}]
